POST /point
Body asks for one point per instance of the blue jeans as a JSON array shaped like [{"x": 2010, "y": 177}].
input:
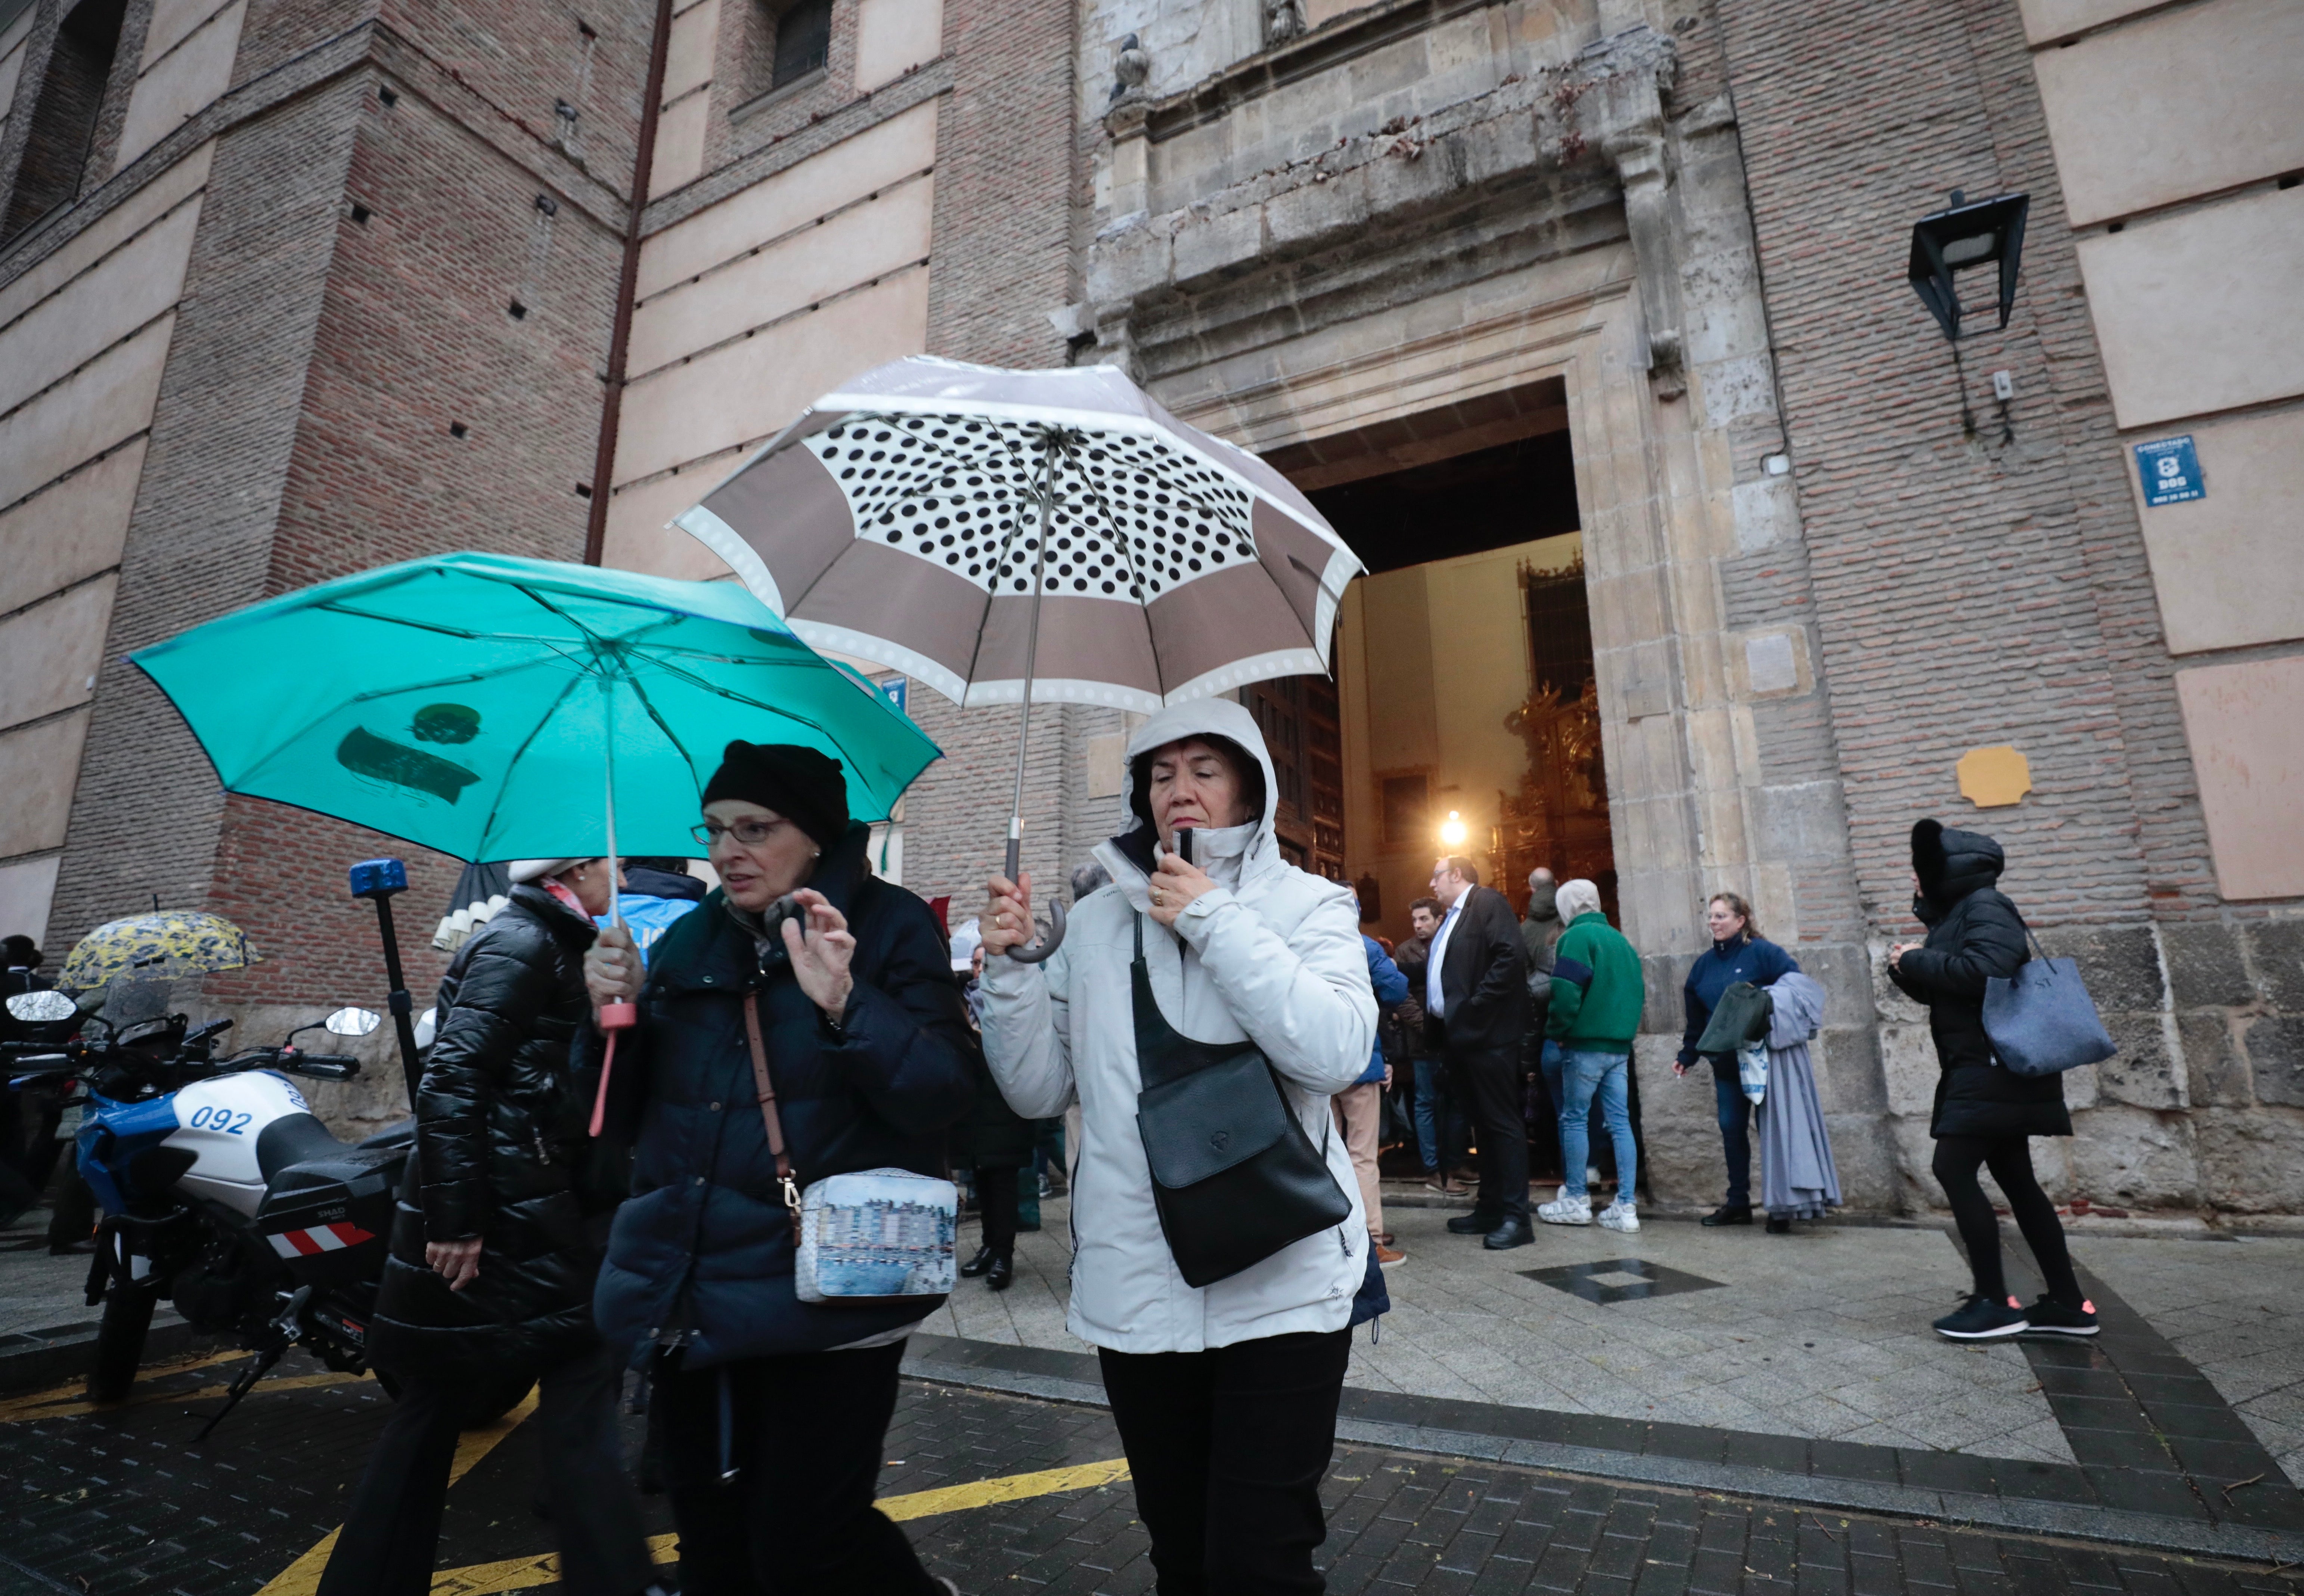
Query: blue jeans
[
  {"x": 1439, "y": 1118},
  {"x": 1735, "y": 1137},
  {"x": 1583, "y": 1076}
]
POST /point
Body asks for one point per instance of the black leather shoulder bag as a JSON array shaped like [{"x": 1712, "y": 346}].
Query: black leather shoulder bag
[{"x": 1233, "y": 1175}]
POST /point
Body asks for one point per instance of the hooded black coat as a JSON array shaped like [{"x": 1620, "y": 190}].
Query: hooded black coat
[
  {"x": 502, "y": 1154},
  {"x": 1974, "y": 934}
]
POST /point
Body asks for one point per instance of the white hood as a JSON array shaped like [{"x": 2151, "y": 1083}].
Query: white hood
[{"x": 1128, "y": 856}]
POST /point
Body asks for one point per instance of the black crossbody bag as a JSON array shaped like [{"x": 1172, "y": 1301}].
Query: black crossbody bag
[{"x": 1233, "y": 1175}]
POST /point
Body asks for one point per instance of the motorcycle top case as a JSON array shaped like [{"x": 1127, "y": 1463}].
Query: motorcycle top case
[{"x": 329, "y": 1217}]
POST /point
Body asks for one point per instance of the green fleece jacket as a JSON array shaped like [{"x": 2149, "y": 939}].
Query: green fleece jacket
[{"x": 1597, "y": 990}]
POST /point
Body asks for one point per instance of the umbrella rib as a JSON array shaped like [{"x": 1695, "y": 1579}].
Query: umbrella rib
[
  {"x": 496, "y": 806},
  {"x": 1143, "y": 607},
  {"x": 992, "y": 589}
]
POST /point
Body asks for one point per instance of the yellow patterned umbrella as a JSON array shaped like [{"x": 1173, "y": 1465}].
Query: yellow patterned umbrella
[{"x": 159, "y": 946}]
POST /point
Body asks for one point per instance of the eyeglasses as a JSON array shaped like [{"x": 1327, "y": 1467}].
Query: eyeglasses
[{"x": 752, "y": 834}]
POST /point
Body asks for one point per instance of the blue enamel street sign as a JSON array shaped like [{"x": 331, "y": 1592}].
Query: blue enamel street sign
[
  {"x": 894, "y": 689},
  {"x": 2170, "y": 469}
]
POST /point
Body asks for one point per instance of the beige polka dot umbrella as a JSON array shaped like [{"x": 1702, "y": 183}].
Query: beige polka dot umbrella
[{"x": 1010, "y": 535}]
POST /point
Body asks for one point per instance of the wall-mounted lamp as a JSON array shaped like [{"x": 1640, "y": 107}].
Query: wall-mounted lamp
[
  {"x": 1990, "y": 232},
  {"x": 1452, "y": 830},
  {"x": 1963, "y": 236}
]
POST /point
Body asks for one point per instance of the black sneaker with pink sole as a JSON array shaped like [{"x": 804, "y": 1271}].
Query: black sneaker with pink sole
[{"x": 2049, "y": 1317}]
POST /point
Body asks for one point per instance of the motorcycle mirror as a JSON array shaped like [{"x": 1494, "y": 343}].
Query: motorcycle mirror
[
  {"x": 353, "y": 1021},
  {"x": 428, "y": 1026},
  {"x": 41, "y": 1006}
]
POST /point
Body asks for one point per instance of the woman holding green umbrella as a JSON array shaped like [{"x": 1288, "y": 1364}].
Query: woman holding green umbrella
[{"x": 773, "y": 1409}]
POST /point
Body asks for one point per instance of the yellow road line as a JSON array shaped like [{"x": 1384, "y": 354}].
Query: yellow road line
[
  {"x": 296, "y": 1382},
  {"x": 519, "y": 1574},
  {"x": 76, "y": 1391},
  {"x": 303, "y": 1576},
  {"x": 1009, "y": 1487}
]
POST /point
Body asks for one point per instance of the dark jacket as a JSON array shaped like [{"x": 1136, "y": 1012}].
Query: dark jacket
[
  {"x": 502, "y": 1154},
  {"x": 1974, "y": 934},
  {"x": 704, "y": 1249},
  {"x": 1755, "y": 959},
  {"x": 991, "y": 1135},
  {"x": 1400, "y": 1029},
  {"x": 1539, "y": 938},
  {"x": 1483, "y": 974}
]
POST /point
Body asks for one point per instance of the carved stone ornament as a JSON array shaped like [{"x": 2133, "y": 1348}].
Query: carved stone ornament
[
  {"x": 1632, "y": 72},
  {"x": 1129, "y": 68},
  {"x": 1284, "y": 20}
]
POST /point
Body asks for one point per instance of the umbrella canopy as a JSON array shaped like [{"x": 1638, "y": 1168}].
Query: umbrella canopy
[
  {"x": 900, "y": 520},
  {"x": 470, "y": 703},
  {"x": 159, "y": 947}
]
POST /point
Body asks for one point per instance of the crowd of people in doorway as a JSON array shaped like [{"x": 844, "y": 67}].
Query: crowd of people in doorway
[{"x": 809, "y": 1022}]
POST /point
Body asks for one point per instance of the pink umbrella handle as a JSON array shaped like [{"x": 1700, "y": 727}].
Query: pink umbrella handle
[{"x": 614, "y": 1017}]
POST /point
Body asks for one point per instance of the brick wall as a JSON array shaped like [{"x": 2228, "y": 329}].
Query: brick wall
[
  {"x": 147, "y": 815},
  {"x": 415, "y": 334},
  {"x": 1005, "y": 182},
  {"x": 303, "y": 432},
  {"x": 1974, "y": 590},
  {"x": 1969, "y": 590}
]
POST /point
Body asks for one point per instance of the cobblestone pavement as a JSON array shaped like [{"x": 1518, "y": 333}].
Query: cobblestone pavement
[{"x": 122, "y": 1503}]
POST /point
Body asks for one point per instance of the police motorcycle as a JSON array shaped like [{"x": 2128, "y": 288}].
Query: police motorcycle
[{"x": 222, "y": 1193}]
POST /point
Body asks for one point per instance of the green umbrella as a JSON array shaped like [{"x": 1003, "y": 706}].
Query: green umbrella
[{"x": 494, "y": 708}]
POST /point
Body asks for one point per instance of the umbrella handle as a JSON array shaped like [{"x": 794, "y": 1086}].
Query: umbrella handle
[
  {"x": 1040, "y": 948},
  {"x": 600, "y": 1099}
]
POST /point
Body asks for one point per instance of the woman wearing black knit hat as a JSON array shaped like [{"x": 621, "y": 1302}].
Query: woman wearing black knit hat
[{"x": 772, "y": 1409}]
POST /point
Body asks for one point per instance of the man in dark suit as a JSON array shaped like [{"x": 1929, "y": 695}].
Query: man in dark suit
[{"x": 1475, "y": 1011}]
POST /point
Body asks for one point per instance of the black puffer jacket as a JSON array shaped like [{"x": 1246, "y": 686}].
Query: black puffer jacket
[
  {"x": 502, "y": 1154},
  {"x": 1974, "y": 934},
  {"x": 991, "y": 1135}
]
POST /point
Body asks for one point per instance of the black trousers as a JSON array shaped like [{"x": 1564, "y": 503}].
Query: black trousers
[
  {"x": 1227, "y": 1449},
  {"x": 391, "y": 1536},
  {"x": 2009, "y": 1160},
  {"x": 995, "y": 1201},
  {"x": 804, "y": 1436},
  {"x": 1488, "y": 1082}
]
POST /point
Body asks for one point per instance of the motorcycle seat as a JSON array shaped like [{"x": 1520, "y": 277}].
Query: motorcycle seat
[
  {"x": 402, "y": 1134},
  {"x": 293, "y": 1139}
]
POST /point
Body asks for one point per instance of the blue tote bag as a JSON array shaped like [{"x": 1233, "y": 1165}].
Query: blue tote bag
[{"x": 2041, "y": 1020}]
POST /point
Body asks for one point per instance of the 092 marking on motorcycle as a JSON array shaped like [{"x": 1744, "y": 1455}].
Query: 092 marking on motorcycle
[
  {"x": 320, "y": 1238},
  {"x": 219, "y": 1118}
]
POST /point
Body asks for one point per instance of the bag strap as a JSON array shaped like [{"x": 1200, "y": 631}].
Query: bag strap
[
  {"x": 2030, "y": 940},
  {"x": 775, "y": 1125}
]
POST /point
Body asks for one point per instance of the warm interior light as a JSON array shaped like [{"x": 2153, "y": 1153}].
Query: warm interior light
[{"x": 1452, "y": 830}]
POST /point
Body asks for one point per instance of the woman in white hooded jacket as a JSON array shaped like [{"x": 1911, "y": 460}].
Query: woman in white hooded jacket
[{"x": 1224, "y": 1396}]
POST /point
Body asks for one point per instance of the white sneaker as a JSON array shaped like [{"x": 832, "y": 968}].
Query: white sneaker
[
  {"x": 1620, "y": 1215},
  {"x": 1566, "y": 1211}
]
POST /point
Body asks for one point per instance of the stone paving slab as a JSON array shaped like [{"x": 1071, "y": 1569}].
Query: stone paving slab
[
  {"x": 1821, "y": 1334},
  {"x": 2231, "y": 1309}
]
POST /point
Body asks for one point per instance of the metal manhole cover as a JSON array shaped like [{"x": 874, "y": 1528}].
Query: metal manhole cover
[{"x": 1609, "y": 1280}]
